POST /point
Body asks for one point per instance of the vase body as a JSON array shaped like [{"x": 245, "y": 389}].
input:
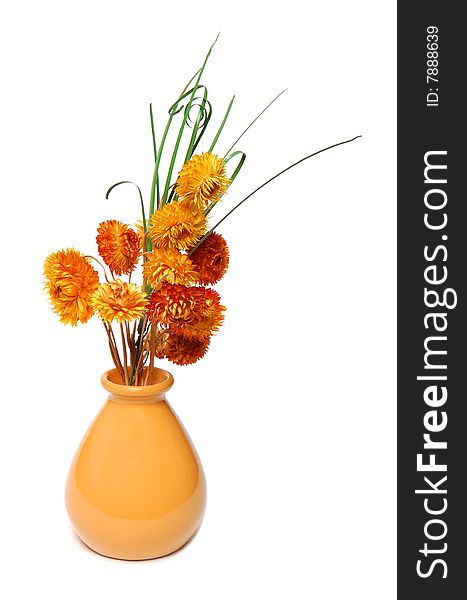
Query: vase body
[{"x": 136, "y": 487}]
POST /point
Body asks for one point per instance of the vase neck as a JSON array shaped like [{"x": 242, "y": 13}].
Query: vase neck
[{"x": 161, "y": 382}]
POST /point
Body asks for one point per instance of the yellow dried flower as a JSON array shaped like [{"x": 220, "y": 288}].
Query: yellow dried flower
[
  {"x": 178, "y": 225},
  {"x": 170, "y": 266},
  {"x": 70, "y": 282},
  {"x": 119, "y": 246},
  {"x": 120, "y": 301},
  {"x": 202, "y": 180}
]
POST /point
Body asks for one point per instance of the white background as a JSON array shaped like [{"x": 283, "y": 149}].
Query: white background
[{"x": 293, "y": 409}]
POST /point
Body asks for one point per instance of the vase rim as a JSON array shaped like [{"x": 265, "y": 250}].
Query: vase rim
[{"x": 164, "y": 381}]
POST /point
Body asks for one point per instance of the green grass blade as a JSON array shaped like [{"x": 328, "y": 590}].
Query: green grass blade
[
  {"x": 182, "y": 126},
  {"x": 154, "y": 145},
  {"x": 152, "y": 132},
  {"x": 200, "y": 124},
  {"x": 174, "y": 110},
  {"x": 221, "y": 127},
  {"x": 172, "y": 113}
]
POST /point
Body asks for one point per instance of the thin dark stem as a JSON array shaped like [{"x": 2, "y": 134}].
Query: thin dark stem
[
  {"x": 264, "y": 184},
  {"x": 99, "y": 263},
  {"x": 140, "y": 197},
  {"x": 254, "y": 121}
]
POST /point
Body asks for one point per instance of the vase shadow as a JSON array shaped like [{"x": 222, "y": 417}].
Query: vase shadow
[{"x": 80, "y": 542}]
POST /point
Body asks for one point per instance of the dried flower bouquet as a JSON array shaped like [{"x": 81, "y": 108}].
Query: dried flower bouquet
[{"x": 173, "y": 311}]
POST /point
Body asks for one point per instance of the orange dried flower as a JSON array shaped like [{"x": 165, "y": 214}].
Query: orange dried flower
[
  {"x": 182, "y": 350},
  {"x": 178, "y": 225},
  {"x": 120, "y": 301},
  {"x": 70, "y": 282},
  {"x": 203, "y": 179},
  {"x": 174, "y": 304},
  {"x": 162, "y": 336},
  {"x": 170, "y": 266},
  {"x": 195, "y": 312},
  {"x": 119, "y": 245},
  {"x": 211, "y": 259},
  {"x": 211, "y": 311}
]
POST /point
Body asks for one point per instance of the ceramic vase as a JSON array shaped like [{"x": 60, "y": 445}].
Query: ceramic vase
[{"x": 136, "y": 488}]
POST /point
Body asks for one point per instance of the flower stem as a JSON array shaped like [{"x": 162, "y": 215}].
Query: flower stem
[
  {"x": 266, "y": 183},
  {"x": 254, "y": 121},
  {"x": 138, "y": 349},
  {"x": 114, "y": 351},
  {"x": 125, "y": 361}
]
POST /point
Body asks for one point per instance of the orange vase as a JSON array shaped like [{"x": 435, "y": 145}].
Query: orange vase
[{"x": 136, "y": 487}]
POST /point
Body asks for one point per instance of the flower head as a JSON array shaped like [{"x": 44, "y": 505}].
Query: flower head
[
  {"x": 174, "y": 304},
  {"x": 211, "y": 259},
  {"x": 202, "y": 180},
  {"x": 178, "y": 225},
  {"x": 70, "y": 282},
  {"x": 182, "y": 350},
  {"x": 120, "y": 301},
  {"x": 162, "y": 336},
  {"x": 119, "y": 245},
  {"x": 195, "y": 312},
  {"x": 211, "y": 311},
  {"x": 170, "y": 266}
]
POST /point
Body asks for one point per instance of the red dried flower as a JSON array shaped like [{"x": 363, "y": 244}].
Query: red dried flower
[
  {"x": 211, "y": 259},
  {"x": 182, "y": 350}
]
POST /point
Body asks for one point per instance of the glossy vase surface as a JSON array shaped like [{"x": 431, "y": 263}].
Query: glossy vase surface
[{"x": 136, "y": 487}]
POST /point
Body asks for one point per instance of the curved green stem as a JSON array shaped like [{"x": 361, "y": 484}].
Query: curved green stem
[
  {"x": 234, "y": 174},
  {"x": 155, "y": 177},
  {"x": 182, "y": 126},
  {"x": 140, "y": 196}
]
